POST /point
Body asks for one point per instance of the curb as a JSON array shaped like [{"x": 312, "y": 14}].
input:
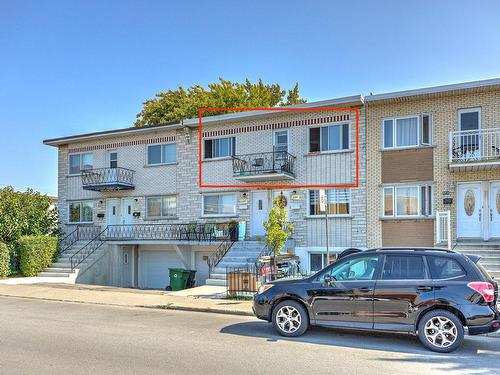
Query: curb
[{"x": 157, "y": 307}]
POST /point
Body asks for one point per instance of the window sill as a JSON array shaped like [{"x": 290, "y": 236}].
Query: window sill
[
  {"x": 319, "y": 153},
  {"x": 159, "y": 164},
  {"x": 348, "y": 216},
  {"x": 161, "y": 218},
  {"x": 216, "y": 216},
  {"x": 218, "y": 159},
  {"x": 406, "y": 148},
  {"x": 406, "y": 218}
]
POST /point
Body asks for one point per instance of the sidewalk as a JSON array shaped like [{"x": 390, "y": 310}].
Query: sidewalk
[{"x": 198, "y": 300}]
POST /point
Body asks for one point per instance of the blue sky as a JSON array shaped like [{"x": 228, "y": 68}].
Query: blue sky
[{"x": 78, "y": 66}]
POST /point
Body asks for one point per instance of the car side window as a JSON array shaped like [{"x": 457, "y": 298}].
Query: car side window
[
  {"x": 404, "y": 267},
  {"x": 444, "y": 267},
  {"x": 359, "y": 268}
]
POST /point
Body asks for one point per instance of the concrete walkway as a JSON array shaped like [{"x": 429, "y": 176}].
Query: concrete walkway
[{"x": 201, "y": 300}]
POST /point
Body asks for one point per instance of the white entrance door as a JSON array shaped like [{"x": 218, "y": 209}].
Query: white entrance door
[
  {"x": 469, "y": 211},
  {"x": 113, "y": 211},
  {"x": 494, "y": 209},
  {"x": 127, "y": 215},
  {"x": 201, "y": 266},
  {"x": 260, "y": 210}
]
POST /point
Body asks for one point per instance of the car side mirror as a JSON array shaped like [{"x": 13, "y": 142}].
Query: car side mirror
[{"x": 327, "y": 281}]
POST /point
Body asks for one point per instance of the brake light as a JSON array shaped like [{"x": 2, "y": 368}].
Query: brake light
[{"x": 485, "y": 289}]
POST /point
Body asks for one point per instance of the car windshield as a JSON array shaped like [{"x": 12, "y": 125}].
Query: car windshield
[{"x": 358, "y": 268}]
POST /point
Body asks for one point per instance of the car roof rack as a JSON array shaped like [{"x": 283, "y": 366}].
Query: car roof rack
[{"x": 412, "y": 249}]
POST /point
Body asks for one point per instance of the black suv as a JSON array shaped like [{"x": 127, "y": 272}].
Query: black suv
[{"x": 434, "y": 293}]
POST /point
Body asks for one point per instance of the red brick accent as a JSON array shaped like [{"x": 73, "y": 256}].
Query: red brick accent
[{"x": 109, "y": 146}]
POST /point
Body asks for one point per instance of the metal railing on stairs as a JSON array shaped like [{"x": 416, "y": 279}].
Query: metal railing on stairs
[
  {"x": 81, "y": 232},
  {"x": 443, "y": 228},
  {"x": 215, "y": 258},
  {"x": 95, "y": 243}
]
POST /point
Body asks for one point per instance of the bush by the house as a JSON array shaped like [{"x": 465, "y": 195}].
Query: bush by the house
[
  {"x": 4, "y": 260},
  {"x": 36, "y": 253}
]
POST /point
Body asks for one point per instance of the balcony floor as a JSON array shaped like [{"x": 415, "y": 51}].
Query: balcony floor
[
  {"x": 109, "y": 186},
  {"x": 474, "y": 166},
  {"x": 271, "y": 176}
]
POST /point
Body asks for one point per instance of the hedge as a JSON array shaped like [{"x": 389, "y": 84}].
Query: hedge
[
  {"x": 36, "y": 253},
  {"x": 4, "y": 260}
]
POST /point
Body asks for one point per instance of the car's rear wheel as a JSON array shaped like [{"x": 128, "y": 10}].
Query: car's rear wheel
[
  {"x": 441, "y": 331},
  {"x": 290, "y": 318}
]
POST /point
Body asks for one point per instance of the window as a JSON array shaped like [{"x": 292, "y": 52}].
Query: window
[
  {"x": 363, "y": 268},
  {"x": 81, "y": 212},
  {"x": 404, "y": 267},
  {"x": 281, "y": 140},
  {"x": 161, "y": 207},
  {"x": 406, "y": 201},
  {"x": 220, "y": 147},
  {"x": 444, "y": 268},
  {"x": 339, "y": 202},
  {"x": 407, "y": 131},
  {"x": 79, "y": 162},
  {"x": 113, "y": 159},
  {"x": 317, "y": 262},
  {"x": 221, "y": 204},
  {"x": 329, "y": 138},
  {"x": 162, "y": 154}
]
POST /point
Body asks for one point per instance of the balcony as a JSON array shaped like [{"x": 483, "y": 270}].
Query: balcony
[
  {"x": 474, "y": 150},
  {"x": 264, "y": 166},
  {"x": 104, "y": 179}
]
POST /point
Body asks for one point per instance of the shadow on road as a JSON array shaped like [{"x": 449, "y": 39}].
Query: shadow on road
[{"x": 477, "y": 354}]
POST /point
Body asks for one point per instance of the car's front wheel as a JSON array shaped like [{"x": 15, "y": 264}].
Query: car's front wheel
[
  {"x": 290, "y": 318},
  {"x": 441, "y": 331}
]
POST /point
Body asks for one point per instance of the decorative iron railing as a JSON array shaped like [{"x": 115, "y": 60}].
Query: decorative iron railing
[
  {"x": 263, "y": 163},
  {"x": 95, "y": 243},
  {"x": 215, "y": 258},
  {"x": 112, "y": 178},
  {"x": 80, "y": 233},
  {"x": 474, "y": 145}
]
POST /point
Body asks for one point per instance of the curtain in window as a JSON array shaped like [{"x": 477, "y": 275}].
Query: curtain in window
[
  {"x": 407, "y": 132},
  {"x": 407, "y": 201}
]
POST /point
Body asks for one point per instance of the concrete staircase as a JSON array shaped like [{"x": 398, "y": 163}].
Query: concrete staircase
[
  {"x": 62, "y": 267},
  {"x": 489, "y": 253},
  {"x": 240, "y": 254}
]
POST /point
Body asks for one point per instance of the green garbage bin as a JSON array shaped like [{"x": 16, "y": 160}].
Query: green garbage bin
[{"x": 178, "y": 278}]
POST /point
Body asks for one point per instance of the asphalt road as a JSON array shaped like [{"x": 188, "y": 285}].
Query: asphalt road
[{"x": 42, "y": 337}]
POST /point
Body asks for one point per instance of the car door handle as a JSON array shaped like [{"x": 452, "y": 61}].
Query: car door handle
[{"x": 424, "y": 288}]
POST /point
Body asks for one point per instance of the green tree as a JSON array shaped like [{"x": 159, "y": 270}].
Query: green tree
[
  {"x": 173, "y": 106},
  {"x": 278, "y": 228},
  {"x": 25, "y": 214}
]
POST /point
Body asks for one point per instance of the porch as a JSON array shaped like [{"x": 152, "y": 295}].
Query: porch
[{"x": 474, "y": 150}]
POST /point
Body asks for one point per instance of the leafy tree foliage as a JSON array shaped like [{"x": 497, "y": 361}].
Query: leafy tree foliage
[
  {"x": 24, "y": 214},
  {"x": 175, "y": 105},
  {"x": 278, "y": 228}
]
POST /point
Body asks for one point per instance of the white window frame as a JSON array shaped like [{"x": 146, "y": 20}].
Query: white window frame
[
  {"x": 329, "y": 215},
  {"x": 349, "y": 148},
  {"x": 419, "y": 143},
  {"x": 161, "y": 206},
  {"x": 81, "y": 162},
  {"x": 161, "y": 154},
  {"x": 324, "y": 261},
  {"x": 234, "y": 214},
  {"x": 233, "y": 151},
  {"x": 81, "y": 212},
  {"x": 419, "y": 201},
  {"x": 287, "y": 139},
  {"x": 469, "y": 110},
  {"x": 108, "y": 157}
]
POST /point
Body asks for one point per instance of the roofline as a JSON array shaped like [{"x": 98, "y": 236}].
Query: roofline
[
  {"x": 193, "y": 122},
  {"x": 432, "y": 90}
]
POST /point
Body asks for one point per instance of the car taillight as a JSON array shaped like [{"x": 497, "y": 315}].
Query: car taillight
[{"x": 485, "y": 289}]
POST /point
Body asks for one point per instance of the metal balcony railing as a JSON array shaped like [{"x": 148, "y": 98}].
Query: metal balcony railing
[
  {"x": 275, "y": 162},
  {"x": 473, "y": 146},
  {"x": 108, "y": 179}
]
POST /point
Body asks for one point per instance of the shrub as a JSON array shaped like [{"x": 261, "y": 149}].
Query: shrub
[
  {"x": 36, "y": 253},
  {"x": 4, "y": 260}
]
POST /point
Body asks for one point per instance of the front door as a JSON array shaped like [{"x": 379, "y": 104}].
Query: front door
[
  {"x": 494, "y": 209},
  {"x": 347, "y": 301},
  {"x": 260, "y": 210},
  {"x": 127, "y": 214},
  {"x": 113, "y": 211},
  {"x": 469, "y": 211}
]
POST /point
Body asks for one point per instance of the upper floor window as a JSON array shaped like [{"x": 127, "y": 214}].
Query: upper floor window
[
  {"x": 79, "y": 162},
  {"x": 339, "y": 202},
  {"x": 412, "y": 131},
  {"x": 161, "y": 154},
  {"x": 161, "y": 207},
  {"x": 407, "y": 200},
  {"x": 219, "y": 204},
  {"x": 329, "y": 138},
  {"x": 81, "y": 212},
  {"x": 113, "y": 159},
  {"x": 220, "y": 147}
]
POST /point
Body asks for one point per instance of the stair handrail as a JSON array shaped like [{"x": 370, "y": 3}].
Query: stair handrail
[
  {"x": 69, "y": 240},
  {"x": 81, "y": 232},
  {"x": 88, "y": 249},
  {"x": 215, "y": 258}
]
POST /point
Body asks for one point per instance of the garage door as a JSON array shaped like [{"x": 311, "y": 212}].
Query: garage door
[{"x": 154, "y": 267}]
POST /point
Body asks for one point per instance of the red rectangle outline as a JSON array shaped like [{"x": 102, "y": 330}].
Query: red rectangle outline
[{"x": 327, "y": 186}]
